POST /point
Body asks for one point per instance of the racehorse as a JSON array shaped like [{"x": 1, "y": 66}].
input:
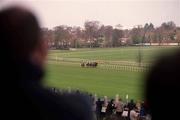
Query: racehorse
[
  {"x": 91, "y": 64},
  {"x": 82, "y": 64}
]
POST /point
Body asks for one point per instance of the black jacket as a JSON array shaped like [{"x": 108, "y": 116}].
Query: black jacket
[{"x": 25, "y": 98}]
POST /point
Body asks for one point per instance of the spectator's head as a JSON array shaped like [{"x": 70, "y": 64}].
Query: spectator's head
[
  {"x": 131, "y": 101},
  {"x": 135, "y": 108},
  {"x": 162, "y": 91},
  {"x": 20, "y": 36},
  {"x": 112, "y": 100}
]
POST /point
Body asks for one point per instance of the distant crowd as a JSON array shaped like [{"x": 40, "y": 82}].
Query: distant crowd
[{"x": 114, "y": 109}]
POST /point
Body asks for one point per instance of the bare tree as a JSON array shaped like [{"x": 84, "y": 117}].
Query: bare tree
[
  {"x": 137, "y": 34},
  {"x": 108, "y": 31},
  {"x": 178, "y": 35},
  {"x": 91, "y": 32},
  {"x": 48, "y": 35},
  {"x": 116, "y": 37},
  {"x": 62, "y": 36},
  {"x": 148, "y": 31}
]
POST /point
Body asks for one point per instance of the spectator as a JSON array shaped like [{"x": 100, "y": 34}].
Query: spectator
[
  {"x": 130, "y": 106},
  {"x": 142, "y": 113},
  {"x": 134, "y": 114},
  {"x": 98, "y": 108},
  {"x": 24, "y": 51},
  {"x": 125, "y": 113},
  {"x": 162, "y": 91},
  {"x": 110, "y": 108},
  {"x": 119, "y": 108},
  {"x": 104, "y": 107},
  {"x": 94, "y": 100}
]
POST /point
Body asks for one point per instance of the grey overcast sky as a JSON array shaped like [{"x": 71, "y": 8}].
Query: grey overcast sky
[{"x": 109, "y": 12}]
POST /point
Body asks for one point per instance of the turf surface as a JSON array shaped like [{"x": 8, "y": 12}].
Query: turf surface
[{"x": 68, "y": 74}]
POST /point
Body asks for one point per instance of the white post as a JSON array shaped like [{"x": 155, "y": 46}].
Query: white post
[
  {"x": 69, "y": 89},
  {"x": 127, "y": 97},
  {"x": 56, "y": 58}
]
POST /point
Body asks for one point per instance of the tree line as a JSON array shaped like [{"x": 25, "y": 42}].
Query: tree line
[{"x": 95, "y": 34}]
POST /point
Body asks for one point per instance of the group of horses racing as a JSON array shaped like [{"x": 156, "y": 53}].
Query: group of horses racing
[{"x": 89, "y": 64}]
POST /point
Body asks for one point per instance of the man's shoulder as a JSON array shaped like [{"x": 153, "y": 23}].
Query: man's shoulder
[{"x": 68, "y": 105}]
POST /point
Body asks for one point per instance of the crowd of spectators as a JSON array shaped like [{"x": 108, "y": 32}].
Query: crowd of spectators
[{"x": 114, "y": 109}]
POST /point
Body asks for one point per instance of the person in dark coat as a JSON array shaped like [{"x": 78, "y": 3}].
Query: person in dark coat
[
  {"x": 110, "y": 109},
  {"x": 162, "y": 88},
  {"x": 130, "y": 106},
  {"x": 98, "y": 109},
  {"x": 23, "y": 53}
]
